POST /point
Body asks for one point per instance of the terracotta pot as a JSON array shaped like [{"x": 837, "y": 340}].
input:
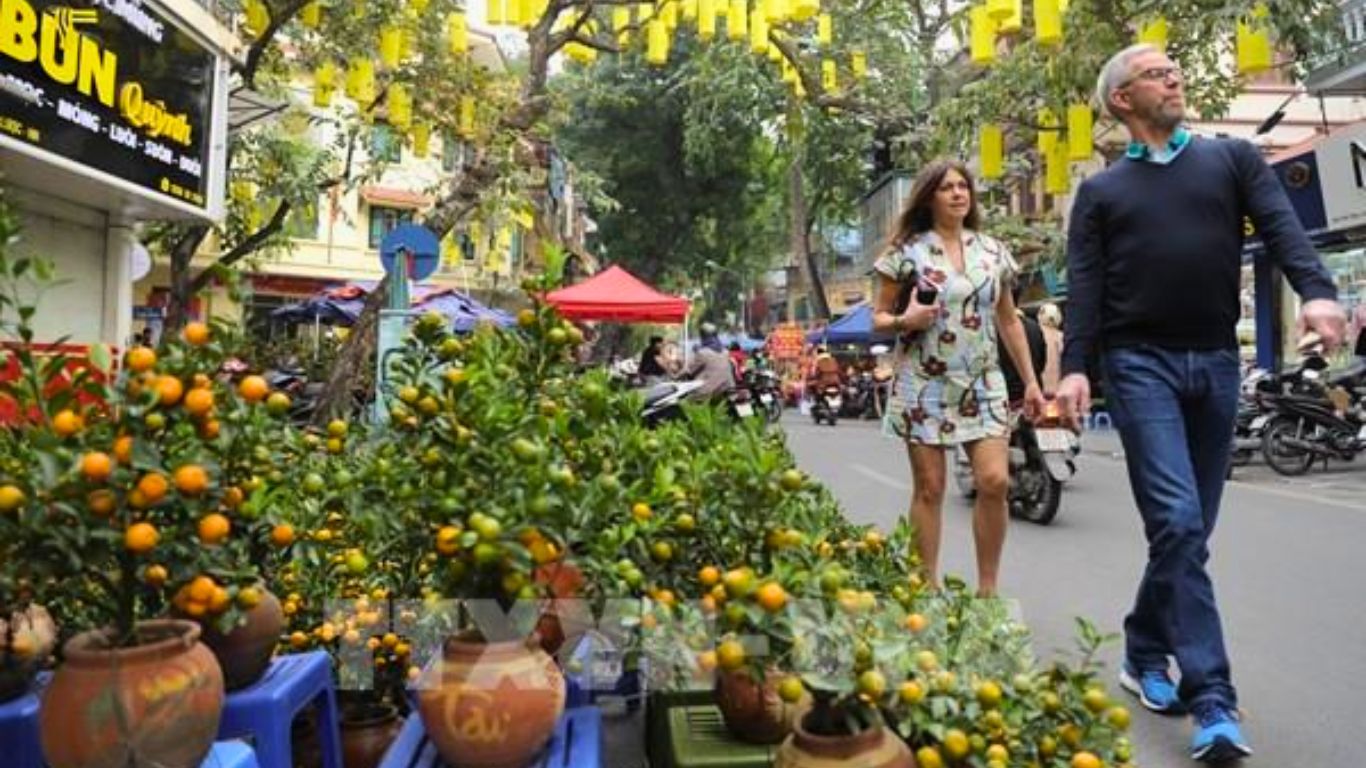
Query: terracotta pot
[
  {"x": 367, "y": 730},
  {"x": 875, "y": 747},
  {"x": 156, "y": 703},
  {"x": 491, "y": 705},
  {"x": 753, "y": 712},
  {"x": 245, "y": 652}
]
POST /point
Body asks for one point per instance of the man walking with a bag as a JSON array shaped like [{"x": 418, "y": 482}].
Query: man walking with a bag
[{"x": 1154, "y": 261}]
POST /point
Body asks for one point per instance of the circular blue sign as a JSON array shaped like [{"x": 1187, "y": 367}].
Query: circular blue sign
[{"x": 418, "y": 244}]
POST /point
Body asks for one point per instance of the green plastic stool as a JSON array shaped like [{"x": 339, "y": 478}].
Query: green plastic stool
[{"x": 699, "y": 739}]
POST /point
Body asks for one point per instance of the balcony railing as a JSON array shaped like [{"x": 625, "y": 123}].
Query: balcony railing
[{"x": 1344, "y": 69}]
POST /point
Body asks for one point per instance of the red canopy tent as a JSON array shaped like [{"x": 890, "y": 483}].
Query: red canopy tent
[{"x": 616, "y": 295}]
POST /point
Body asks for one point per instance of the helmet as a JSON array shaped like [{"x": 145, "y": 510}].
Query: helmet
[
  {"x": 707, "y": 329},
  {"x": 1050, "y": 316}
]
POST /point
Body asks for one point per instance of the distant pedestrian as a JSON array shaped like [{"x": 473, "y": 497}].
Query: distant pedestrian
[
  {"x": 1154, "y": 259},
  {"x": 945, "y": 290},
  {"x": 653, "y": 365}
]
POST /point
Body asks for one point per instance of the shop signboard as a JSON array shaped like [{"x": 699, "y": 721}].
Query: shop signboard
[
  {"x": 112, "y": 86},
  {"x": 1341, "y": 160}
]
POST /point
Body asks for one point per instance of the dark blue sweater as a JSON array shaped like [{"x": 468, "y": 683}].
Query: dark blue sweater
[{"x": 1154, "y": 252}]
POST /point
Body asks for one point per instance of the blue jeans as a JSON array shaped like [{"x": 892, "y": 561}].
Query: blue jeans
[{"x": 1175, "y": 412}]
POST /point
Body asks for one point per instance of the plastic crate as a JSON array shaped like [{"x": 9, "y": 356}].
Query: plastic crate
[
  {"x": 698, "y": 739},
  {"x": 577, "y": 743},
  {"x": 657, "y": 706}
]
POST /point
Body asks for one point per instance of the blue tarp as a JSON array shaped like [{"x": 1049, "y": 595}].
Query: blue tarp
[
  {"x": 856, "y": 327},
  {"x": 342, "y": 306},
  {"x": 747, "y": 343}
]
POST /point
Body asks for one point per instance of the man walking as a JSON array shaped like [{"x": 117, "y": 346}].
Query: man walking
[{"x": 1154, "y": 258}]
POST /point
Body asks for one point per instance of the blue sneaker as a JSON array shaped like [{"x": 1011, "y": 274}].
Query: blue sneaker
[
  {"x": 1154, "y": 689},
  {"x": 1218, "y": 738}
]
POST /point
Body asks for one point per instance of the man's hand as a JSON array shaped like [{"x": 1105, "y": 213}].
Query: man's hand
[
  {"x": 1326, "y": 318},
  {"x": 1034, "y": 403},
  {"x": 1074, "y": 395}
]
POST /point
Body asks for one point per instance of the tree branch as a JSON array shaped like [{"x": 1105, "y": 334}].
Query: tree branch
[
  {"x": 244, "y": 248},
  {"x": 259, "y": 46}
]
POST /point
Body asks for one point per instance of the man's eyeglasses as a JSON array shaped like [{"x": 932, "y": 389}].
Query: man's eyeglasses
[{"x": 1157, "y": 74}]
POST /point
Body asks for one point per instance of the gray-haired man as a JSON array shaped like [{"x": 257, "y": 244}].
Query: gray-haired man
[{"x": 1154, "y": 260}]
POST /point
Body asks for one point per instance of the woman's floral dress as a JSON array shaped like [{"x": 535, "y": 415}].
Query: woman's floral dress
[{"x": 949, "y": 388}]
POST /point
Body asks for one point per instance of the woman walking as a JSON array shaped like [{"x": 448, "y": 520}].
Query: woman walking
[{"x": 944, "y": 290}]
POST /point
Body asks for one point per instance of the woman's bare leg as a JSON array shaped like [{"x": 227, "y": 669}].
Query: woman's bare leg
[
  {"x": 927, "y": 505},
  {"x": 991, "y": 476}
]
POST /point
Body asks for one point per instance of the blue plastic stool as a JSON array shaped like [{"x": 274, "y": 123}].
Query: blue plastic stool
[
  {"x": 19, "y": 741},
  {"x": 265, "y": 711},
  {"x": 231, "y": 754},
  {"x": 577, "y": 743}
]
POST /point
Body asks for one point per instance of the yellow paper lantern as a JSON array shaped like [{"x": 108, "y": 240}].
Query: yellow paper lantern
[
  {"x": 992, "y": 151},
  {"x": 758, "y": 32},
  {"x": 644, "y": 12},
  {"x": 805, "y": 9},
  {"x": 621, "y": 23},
  {"x": 982, "y": 36},
  {"x": 422, "y": 139},
  {"x": 670, "y": 13},
  {"x": 360, "y": 81},
  {"x": 1015, "y": 21},
  {"x": 825, "y": 29},
  {"x": 1048, "y": 22},
  {"x": 774, "y": 11},
  {"x": 1048, "y": 132},
  {"x": 497, "y": 13},
  {"x": 258, "y": 16},
  {"x": 775, "y": 54},
  {"x": 657, "y": 43},
  {"x": 858, "y": 64},
  {"x": 1080, "y": 126},
  {"x": 325, "y": 75},
  {"x": 322, "y": 97},
  {"x": 690, "y": 10},
  {"x": 737, "y": 20},
  {"x": 465, "y": 124},
  {"x": 311, "y": 15},
  {"x": 706, "y": 20},
  {"x": 390, "y": 46},
  {"x": 829, "y": 78},
  {"x": 1254, "y": 42},
  {"x": 419, "y": 6},
  {"x": 538, "y": 11},
  {"x": 1000, "y": 10},
  {"x": 458, "y": 33},
  {"x": 1057, "y": 178},
  {"x": 1154, "y": 32}
]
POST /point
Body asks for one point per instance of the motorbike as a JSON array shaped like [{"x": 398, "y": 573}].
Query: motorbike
[
  {"x": 664, "y": 401},
  {"x": 826, "y": 403},
  {"x": 1252, "y": 417},
  {"x": 303, "y": 393},
  {"x": 862, "y": 397},
  {"x": 1042, "y": 457},
  {"x": 1304, "y": 427},
  {"x": 766, "y": 389}
]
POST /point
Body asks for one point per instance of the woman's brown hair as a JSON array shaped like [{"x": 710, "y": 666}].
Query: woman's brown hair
[{"x": 918, "y": 217}]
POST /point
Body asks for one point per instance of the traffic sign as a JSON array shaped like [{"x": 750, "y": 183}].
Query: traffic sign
[{"x": 420, "y": 247}]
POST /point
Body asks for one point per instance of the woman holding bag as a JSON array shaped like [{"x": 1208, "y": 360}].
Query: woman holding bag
[{"x": 944, "y": 290}]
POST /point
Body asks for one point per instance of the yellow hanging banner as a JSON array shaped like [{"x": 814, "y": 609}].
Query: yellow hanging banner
[
  {"x": 311, "y": 15},
  {"x": 360, "y": 83},
  {"x": 773, "y": 10},
  {"x": 419, "y": 6},
  {"x": 325, "y": 76},
  {"x": 829, "y": 77},
  {"x": 825, "y": 29},
  {"x": 400, "y": 107},
  {"x": 657, "y": 43},
  {"x": 1254, "y": 42},
  {"x": 668, "y": 11},
  {"x": 1154, "y": 32},
  {"x": 497, "y": 12},
  {"x": 1015, "y": 21},
  {"x": 1080, "y": 126},
  {"x": 1000, "y": 10},
  {"x": 982, "y": 36},
  {"x": 621, "y": 22},
  {"x": 390, "y": 46},
  {"x": 1057, "y": 179},
  {"x": 1048, "y": 132},
  {"x": 706, "y": 20},
  {"x": 1048, "y": 22},
  {"x": 258, "y": 16},
  {"x": 458, "y": 33},
  {"x": 322, "y": 96},
  {"x": 644, "y": 12},
  {"x": 992, "y": 150},
  {"x": 690, "y": 10},
  {"x": 775, "y": 54},
  {"x": 858, "y": 64},
  {"x": 422, "y": 139},
  {"x": 737, "y": 20},
  {"x": 758, "y": 32},
  {"x": 805, "y": 9},
  {"x": 465, "y": 125}
]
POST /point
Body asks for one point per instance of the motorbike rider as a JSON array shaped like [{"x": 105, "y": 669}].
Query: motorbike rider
[
  {"x": 712, "y": 366},
  {"x": 652, "y": 363},
  {"x": 825, "y": 372},
  {"x": 1050, "y": 321}
]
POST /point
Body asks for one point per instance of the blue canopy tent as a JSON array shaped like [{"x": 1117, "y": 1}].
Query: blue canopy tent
[
  {"x": 342, "y": 306},
  {"x": 856, "y": 327}
]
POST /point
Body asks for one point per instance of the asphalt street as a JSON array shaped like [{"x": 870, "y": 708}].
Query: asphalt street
[{"x": 1287, "y": 565}]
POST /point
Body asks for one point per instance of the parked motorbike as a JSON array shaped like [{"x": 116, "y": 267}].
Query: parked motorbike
[
  {"x": 303, "y": 393},
  {"x": 826, "y": 403},
  {"x": 1304, "y": 428},
  {"x": 665, "y": 401},
  {"x": 863, "y": 397},
  {"x": 1042, "y": 458}
]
